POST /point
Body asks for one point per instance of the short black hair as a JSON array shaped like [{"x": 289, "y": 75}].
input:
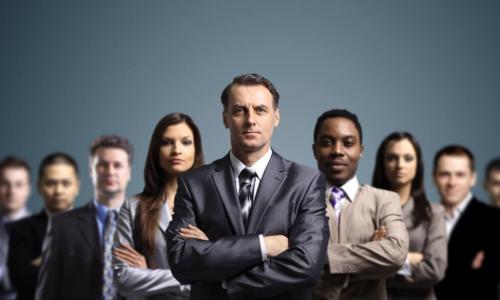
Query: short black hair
[
  {"x": 14, "y": 162},
  {"x": 113, "y": 141},
  {"x": 493, "y": 165},
  {"x": 57, "y": 158},
  {"x": 250, "y": 79},
  {"x": 455, "y": 150},
  {"x": 338, "y": 113}
]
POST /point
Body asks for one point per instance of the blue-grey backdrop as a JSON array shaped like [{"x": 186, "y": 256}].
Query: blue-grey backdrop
[{"x": 72, "y": 70}]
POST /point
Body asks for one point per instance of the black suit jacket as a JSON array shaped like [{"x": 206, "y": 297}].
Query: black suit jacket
[
  {"x": 290, "y": 201},
  {"x": 25, "y": 245},
  {"x": 476, "y": 230},
  {"x": 72, "y": 263}
]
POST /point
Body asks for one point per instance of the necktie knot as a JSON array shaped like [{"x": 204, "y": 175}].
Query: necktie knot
[
  {"x": 246, "y": 176},
  {"x": 111, "y": 217},
  {"x": 336, "y": 195}
]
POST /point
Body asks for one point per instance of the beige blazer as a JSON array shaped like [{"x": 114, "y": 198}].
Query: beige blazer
[
  {"x": 357, "y": 267},
  {"x": 428, "y": 238}
]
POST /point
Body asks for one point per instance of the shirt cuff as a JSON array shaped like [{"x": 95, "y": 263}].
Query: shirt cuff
[
  {"x": 263, "y": 249},
  {"x": 406, "y": 269}
]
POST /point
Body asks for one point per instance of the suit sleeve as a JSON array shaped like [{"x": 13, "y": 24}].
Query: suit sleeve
[
  {"x": 431, "y": 269},
  {"x": 301, "y": 264},
  {"x": 22, "y": 272},
  {"x": 209, "y": 261},
  {"x": 136, "y": 281},
  {"x": 375, "y": 259},
  {"x": 48, "y": 277}
]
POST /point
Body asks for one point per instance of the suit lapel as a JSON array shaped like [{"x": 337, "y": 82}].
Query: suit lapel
[
  {"x": 347, "y": 214},
  {"x": 86, "y": 223},
  {"x": 223, "y": 180},
  {"x": 270, "y": 183}
]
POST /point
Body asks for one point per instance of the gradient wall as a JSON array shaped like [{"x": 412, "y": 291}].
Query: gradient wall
[{"x": 72, "y": 70}]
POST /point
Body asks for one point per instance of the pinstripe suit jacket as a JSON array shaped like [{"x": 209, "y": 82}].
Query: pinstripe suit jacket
[{"x": 289, "y": 201}]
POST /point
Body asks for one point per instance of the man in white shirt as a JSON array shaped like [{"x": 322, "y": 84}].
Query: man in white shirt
[{"x": 472, "y": 226}]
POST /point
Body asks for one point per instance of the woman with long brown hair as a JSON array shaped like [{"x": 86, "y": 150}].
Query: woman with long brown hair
[
  {"x": 399, "y": 167},
  {"x": 139, "y": 257}
]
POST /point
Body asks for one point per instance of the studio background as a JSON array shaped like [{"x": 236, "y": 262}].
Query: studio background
[{"x": 73, "y": 70}]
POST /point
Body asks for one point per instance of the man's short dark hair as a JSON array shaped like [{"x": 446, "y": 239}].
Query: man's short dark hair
[
  {"x": 57, "y": 158},
  {"x": 250, "y": 79},
  {"x": 338, "y": 113},
  {"x": 113, "y": 141},
  {"x": 14, "y": 162},
  {"x": 455, "y": 150},
  {"x": 493, "y": 165}
]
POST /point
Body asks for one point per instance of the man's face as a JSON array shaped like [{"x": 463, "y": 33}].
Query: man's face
[
  {"x": 59, "y": 186},
  {"x": 338, "y": 149},
  {"x": 453, "y": 178},
  {"x": 251, "y": 118},
  {"x": 110, "y": 171},
  {"x": 492, "y": 186},
  {"x": 14, "y": 189}
]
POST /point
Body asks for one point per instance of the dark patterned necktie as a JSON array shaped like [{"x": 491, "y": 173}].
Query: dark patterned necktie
[
  {"x": 245, "y": 195},
  {"x": 108, "y": 288}
]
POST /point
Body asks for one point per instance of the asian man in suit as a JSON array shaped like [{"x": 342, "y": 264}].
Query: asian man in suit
[
  {"x": 58, "y": 184},
  {"x": 472, "y": 227},
  {"x": 368, "y": 238},
  {"x": 76, "y": 261},
  {"x": 251, "y": 225}
]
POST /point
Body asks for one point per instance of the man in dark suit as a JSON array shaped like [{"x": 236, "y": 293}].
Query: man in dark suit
[
  {"x": 263, "y": 216},
  {"x": 15, "y": 189},
  {"x": 58, "y": 185},
  {"x": 76, "y": 260},
  {"x": 472, "y": 226}
]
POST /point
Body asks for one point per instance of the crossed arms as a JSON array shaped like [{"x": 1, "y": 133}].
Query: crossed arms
[{"x": 237, "y": 259}]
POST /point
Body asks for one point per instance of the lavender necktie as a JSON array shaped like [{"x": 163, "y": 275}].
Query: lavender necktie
[{"x": 336, "y": 195}]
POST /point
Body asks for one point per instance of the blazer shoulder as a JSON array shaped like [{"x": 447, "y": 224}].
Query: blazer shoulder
[
  {"x": 296, "y": 169},
  {"x": 437, "y": 209},
  {"x": 28, "y": 222},
  {"x": 204, "y": 171},
  {"x": 69, "y": 216},
  {"x": 379, "y": 194}
]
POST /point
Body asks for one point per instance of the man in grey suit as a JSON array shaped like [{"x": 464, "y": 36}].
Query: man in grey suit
[
  {"x": 368, "y": 238},
  {"x": 263, "y": 216}
]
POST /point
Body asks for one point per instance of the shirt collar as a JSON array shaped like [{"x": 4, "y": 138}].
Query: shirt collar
[
  {"x": 461, "y": 207},
  {"x": 258, "y": 167},
  {"x": 23, "y": 212},
  {"x": 102, "y": 210},
  {"x": 351, "y": 188}
]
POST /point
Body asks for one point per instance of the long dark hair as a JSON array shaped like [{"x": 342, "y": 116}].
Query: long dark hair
[
  {"x": 155, "y": 179},
  {"x": 422, "y": 210}
]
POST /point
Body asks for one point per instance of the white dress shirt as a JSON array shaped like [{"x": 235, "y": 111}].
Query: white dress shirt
[{"x": 452, "y": 218}]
